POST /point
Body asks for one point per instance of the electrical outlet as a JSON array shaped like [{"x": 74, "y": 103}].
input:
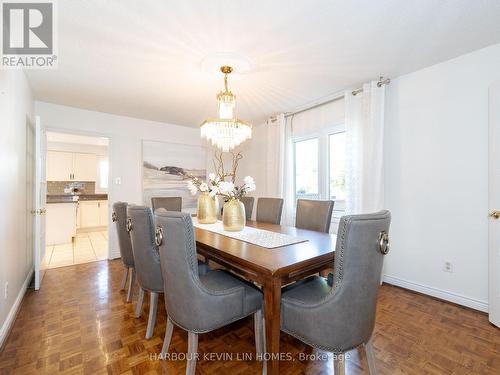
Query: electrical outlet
[
  {"x": 448, "y": 267},
  {"x": 6, "y": 290}
]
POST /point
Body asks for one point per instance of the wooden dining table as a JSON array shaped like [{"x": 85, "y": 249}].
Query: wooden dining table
[{"x": 272, "y": 268}]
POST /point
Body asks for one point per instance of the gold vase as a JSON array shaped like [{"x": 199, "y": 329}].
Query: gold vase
[
  {"x": 208, "y": 208},
  {"x": 233, "y": 216}
]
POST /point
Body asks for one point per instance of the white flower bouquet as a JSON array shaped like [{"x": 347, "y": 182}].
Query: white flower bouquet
[
  {"x": 211, "y": 187},
  {"x": 229, "y": 190},
  {"x": 217, "y": 184}
]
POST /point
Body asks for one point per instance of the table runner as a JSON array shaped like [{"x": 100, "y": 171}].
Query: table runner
[{"x": 259, "y": 237}]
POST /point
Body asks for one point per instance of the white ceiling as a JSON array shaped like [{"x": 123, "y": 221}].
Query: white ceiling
[{"x": 148, "y": 59}]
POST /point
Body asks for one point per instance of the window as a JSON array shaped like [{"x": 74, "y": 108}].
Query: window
[
  {"x": 103, "y": 171},
  {"x": 306, "y": 169},
  {"x": 320, "y": 167}
]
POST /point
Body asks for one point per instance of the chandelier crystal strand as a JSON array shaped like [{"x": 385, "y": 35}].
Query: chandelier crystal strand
[{"x": 226, "y": 132}]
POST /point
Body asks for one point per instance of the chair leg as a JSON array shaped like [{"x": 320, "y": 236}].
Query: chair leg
[
  {"x": 192, "y": 353},
  {"x": 339, "y": 363},
  {"x": 370, "y": 358},
  {"x": 168, "y": 337},
  {"x": 153, "y": 306},
  {"x": 259, "y": 337},
  {"x": 124, "y": 279},
  {"x": 130, "y": 284},
  {"x": 140, "y": 301}
]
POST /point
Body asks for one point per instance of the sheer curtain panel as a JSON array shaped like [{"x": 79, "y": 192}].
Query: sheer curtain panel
[{"x": 364, "y": 122}]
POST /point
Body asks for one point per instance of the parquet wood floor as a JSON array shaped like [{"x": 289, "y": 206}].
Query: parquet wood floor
[{"x": 79, "y": 323}]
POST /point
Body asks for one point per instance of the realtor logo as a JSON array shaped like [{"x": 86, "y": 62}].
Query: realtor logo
[{"x": 28, "y": 37}]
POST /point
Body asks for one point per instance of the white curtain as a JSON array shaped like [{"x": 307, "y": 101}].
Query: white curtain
[
  {"x": 280, "y": 165},
  {"x": 364, "y": 121}
]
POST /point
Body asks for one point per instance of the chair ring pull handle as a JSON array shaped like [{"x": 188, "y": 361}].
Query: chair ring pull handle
[
  {"x": 159, "y": 236},
  {"x": 129, "y": 225},
  {"x": 383, "y": 244},
  {"x": 113, "y": 217}
]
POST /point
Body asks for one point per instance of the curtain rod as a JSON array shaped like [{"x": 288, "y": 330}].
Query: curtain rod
[
  {"x": 380, "y": 83},
  {"x": 332, "y": 98}
]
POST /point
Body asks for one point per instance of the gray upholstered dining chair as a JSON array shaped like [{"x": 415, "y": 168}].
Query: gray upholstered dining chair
[
  {"x": 199, "y": 303},
  {"x": 168, "y": 203},
  {"x": 342, "y": 317},
  {"x": 269, "y": 210},
  {"x": 147, "y": 261},
  {"x": 119, "y": 217},
  {"x": 314, "y": 215},
  {"x": 248, "y": 203}
]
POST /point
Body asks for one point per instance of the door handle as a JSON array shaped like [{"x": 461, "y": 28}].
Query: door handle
[{"x": 495, "y": 214}]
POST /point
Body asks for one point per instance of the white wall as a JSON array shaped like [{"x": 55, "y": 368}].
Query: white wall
[
  {"x": 254, "y": 162},
  {"x": 436, "y": 177},
  {"x": 16, "y": 258},
  {"x": 125, "y": 149}
]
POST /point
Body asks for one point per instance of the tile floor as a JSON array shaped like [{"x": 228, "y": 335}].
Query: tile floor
[{"x": 87, "y": 247}]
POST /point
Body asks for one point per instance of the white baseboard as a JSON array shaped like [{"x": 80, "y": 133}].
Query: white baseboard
[
  {"x": 438, "y": 293},
  {"x": 11, "y": 317}
]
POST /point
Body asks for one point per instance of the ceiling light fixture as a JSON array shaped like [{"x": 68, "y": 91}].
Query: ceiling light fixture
[{"x": 226, "y": 132}]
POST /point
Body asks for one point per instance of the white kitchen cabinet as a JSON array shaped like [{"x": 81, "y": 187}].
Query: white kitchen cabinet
[
  {"x": 71, "y": 166},
  {"x": 84, "y": 167},
  {"x": 61, "y": 223},
  {"x": 103, "y": 213},
  {"x": 59, "y": 166},
  {"x": 89, "y": 214},
  {"x": 92, "y": 214}
]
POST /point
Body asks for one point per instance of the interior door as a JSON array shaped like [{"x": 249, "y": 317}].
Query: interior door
[
  {"x": 40, "y": 201},
  {"x": 30, "y": 189},
  {"x": 494, "y": 204}
]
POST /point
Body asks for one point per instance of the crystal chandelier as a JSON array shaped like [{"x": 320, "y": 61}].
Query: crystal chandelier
[{"x": 226, "y": 132}]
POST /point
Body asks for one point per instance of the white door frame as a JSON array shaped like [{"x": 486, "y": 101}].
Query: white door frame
[
  {"x": 494, "y": 204},
  {"x": 110, "y": 171}
]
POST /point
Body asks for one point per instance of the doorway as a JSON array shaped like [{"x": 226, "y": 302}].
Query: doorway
[{"x": 77, "y": 209}]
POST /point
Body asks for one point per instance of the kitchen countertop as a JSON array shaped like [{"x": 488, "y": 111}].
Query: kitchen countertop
[{"x": 68, "y": 198}]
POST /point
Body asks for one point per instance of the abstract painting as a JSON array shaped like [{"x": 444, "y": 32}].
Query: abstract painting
[{"x": 164, "y": 167}]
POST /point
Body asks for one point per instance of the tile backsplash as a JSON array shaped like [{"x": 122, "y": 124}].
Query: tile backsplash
[{"x": 67, "y": 187}]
